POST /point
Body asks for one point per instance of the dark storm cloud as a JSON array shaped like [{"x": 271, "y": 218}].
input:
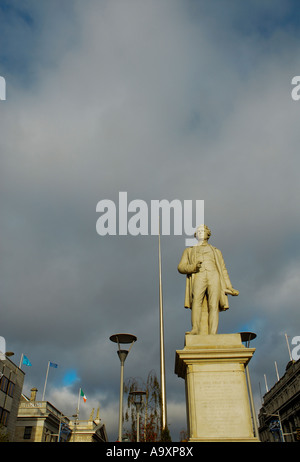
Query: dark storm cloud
[{"x": 164, "y": 100}]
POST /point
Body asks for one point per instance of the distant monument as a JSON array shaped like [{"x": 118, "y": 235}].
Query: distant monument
[
  {"x": 207, "y": 283},
  {"x": 213, "y": 365}
]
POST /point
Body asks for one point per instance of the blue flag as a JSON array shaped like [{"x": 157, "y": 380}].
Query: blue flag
[
  {"x": 53, "y": 365},
  {"x": 26, "y": 361}
]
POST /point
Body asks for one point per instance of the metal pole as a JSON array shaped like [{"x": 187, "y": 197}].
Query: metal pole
[
  {"x": 276, "y": 370},
  {"x": 252, "y": 402},
  {"x": 267, "y": 389},
  {"x": 78, "y": 402},
  {"x": 46, "y": 381},
  {"x": 247, "y": 337},
  {"x": 121, "y": 401},
  {"x": 122, "y": 338},
  {"x": 138, "y": 424},
  {"x": 138, "y": 397},
  {"x": 122, "y": 355},
  {"x": 288, "y": 345},
  {"x": 162, "y": 348}
]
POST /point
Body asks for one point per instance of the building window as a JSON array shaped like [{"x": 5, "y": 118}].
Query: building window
[
  {"x": 7, "y": 386},
  {"x": 10, "y": 388},
  {"x": 4, "y": 414},
  {"x": 27, "y": 433},
  {"x": 3, "y": 383}
]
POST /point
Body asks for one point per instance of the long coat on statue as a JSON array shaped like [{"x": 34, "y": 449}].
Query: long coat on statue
[{"x": 187, "y": 266}]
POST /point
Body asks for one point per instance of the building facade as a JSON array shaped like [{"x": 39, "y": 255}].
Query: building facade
[
  {"x": 88, "y": 431},
  {"x": 40, "y": 421},
  {"x": 11, "y": 384},
  {"x": 279, "y": 417}
]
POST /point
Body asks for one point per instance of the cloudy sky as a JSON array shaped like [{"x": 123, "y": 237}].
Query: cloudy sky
[{"x": 162, "y": 99}]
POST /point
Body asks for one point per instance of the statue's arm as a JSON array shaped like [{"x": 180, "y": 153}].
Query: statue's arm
[
  {"x": 185, "y": 267},
  {"x": 230, "y": 290}
]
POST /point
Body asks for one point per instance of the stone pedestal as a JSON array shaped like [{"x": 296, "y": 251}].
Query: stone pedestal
[{"x": 213, "y": 367}]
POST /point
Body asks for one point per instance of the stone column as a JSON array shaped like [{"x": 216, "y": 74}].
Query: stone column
[{"x": 218, "y": 408}]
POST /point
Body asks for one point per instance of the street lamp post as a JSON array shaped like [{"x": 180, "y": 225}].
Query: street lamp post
[
  {"x": 138, "y": 395},
  {"x": 246, "y": 338},
  {"x": 119, "y": 339}
]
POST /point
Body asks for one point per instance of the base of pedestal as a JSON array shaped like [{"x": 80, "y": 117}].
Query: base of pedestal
[
  {"x": 223, "y": 440},
  {"x": 213, "y": 367}
]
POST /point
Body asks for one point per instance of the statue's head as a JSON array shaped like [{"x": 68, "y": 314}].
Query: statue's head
[{"x": 202, "y": 232}]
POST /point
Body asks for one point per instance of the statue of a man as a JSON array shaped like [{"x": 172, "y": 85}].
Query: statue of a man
[{"x": 207, "y": 282}]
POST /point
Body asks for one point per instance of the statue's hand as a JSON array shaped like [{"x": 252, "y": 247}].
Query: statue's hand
[
  {"x": 198, "y": 266},
  {"x": 234, "y": 292}
]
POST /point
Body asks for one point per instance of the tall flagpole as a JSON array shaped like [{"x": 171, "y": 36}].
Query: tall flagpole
[
  {"x": 76, "y": 419},
  {"x": 288, "y": 345},
  {"x": 266, "y": 384},
  {"x": 276, "y": 370},
  {"x": 46, "y": 381},
  {"x": 78, "y": 402},
  {"x": 162, "y": 346}
]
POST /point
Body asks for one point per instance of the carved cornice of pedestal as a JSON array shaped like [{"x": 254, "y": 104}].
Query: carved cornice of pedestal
[{"x": 210, "y": 349}]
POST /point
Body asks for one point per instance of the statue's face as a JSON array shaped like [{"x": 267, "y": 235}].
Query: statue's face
[{"x": 202, "y": 234}]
